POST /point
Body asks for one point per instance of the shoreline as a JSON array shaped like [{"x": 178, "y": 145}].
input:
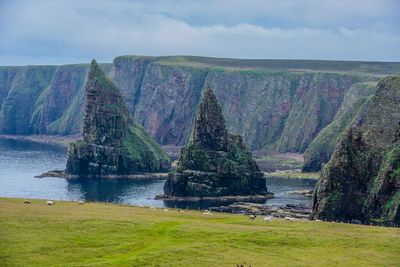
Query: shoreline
[
  {"x": 139, "y": 176},
  {"x": 239, "y": 198},
  {"x": 45, "y": 139}
]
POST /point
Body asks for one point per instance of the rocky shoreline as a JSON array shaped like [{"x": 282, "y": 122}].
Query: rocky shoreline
[
  {"x": 45, "y": 139},
  {"x": 244, "y": 198},
  {"x": 298, "y": 211},
  {"x": 139, "y": 176}
]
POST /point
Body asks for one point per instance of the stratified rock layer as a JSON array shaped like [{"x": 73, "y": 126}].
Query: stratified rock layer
[
  {"x": 362, "y": 179},
  {"x": 112, "y": 145},
  {"x": 214, "y": 163}
]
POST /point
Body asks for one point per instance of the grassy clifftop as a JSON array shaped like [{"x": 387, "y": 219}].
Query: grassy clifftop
[
  {"x": 98, "y": 234},
  {"x": 353, "y": 67}
]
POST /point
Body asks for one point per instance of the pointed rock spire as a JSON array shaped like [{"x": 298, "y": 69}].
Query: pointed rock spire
[
  {"x": 111, "y": 144},
  {"x": 214, "y": 163},
  {"x": 106, "y": 115},
  {"x": 209, "y": 131}
]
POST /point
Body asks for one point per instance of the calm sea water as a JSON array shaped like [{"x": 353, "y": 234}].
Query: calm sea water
[{"x": 20, "y": 161}]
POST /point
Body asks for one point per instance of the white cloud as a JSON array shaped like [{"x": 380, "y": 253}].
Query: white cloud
[{"x": 61, "y": 32}]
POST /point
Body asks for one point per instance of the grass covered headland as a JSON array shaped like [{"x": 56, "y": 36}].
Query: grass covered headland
[{"x": 99, "y": 234}]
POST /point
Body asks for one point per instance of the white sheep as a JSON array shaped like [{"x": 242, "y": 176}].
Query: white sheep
[
  {"x": 81, "y": 202},
  {"x": 50, "y": 203},
  {"x": 287, "y": 218},
  {"x": 268, "y": 219},
  {"x": 165, "y": 209},
  {"x": 141, "y": 206},
  {"x": 152, "y": 207}
]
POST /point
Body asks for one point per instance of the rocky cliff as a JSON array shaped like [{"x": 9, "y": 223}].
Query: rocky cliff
[
  {"x": 111, "y": 144},
  {"x": 274, "y": 104},
  {"x": 362, "y": 179},
  {"x": 321, "y": 148},
  {"x": 214, "y": 163}
]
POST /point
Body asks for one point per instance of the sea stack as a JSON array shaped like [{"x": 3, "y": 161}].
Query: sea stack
[
  {"x": 214, "y": 163},
  {"x": 112, "y": 144},
  {"x": 362, "y": 180}
]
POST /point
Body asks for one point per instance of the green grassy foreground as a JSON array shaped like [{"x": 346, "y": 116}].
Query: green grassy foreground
[{"x": 98, "y": 234}]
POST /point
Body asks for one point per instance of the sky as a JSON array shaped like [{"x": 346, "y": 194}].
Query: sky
[{"x": 62, "y": 32}]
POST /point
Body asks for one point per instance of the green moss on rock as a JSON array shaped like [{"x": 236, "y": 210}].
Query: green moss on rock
[
  {"x": 112, "y": 145},
  {"x": 214, "y": 163},
  {"x": 362, "y": 181}
]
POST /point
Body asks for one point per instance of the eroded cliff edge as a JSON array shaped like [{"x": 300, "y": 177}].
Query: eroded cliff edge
[
  {"x": 283, "y": 104},
  {"x": 362, "y": 179}
]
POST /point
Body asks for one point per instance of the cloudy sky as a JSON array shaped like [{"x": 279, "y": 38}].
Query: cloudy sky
[{"x": 59, "y": 32}]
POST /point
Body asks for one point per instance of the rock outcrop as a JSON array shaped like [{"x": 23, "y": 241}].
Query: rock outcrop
[
  {"x": 214, "y": 163},
  {"x": 322, "y": 147},
  {"x": 111, "y": 144},
  {"x": 362, "y": 179}
]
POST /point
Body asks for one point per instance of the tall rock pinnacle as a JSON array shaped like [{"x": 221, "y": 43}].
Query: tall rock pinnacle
[
  {"x": 106, "y": 115},
  {"x": 209, "y": 129},
  {"x": 214, "y": 163},
  {"x": 111, "y": 144}
]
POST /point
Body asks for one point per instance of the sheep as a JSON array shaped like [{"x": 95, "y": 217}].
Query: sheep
[
  {"x": 268, "y": 219},
  {"x": 141, "y": 206},
  {"x": 152, "y": 207},
  {"x": 252, "y": 217},
  {"x": 165, "y": 209},
  {"x": 318, "y": 220},
  {"x": 207, "y": 212},
  {"x": 291, "y": 219},
  {"x": 81, "y": 202},
  {"x": 355, "y": 221},
  {"x": 50, "y": 203},
  {"x": 27, "y": 202}
]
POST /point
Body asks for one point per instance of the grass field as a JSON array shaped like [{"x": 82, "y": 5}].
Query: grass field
[{"x": 97, "y": 234}]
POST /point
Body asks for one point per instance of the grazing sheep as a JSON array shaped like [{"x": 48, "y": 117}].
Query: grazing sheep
[
  {"x": 81, "y": 202},
  {"x": 318, "y": 220},
  {"x": 291, "y": 219},
  {"x": 50, "y": 203},
  {"x": 252, "y": 217},
  {"x": 354, "y": 221},
  {"x": 268, "y": 219},
  {"x": 165, "y": 209},
  {"x": 141, "y": 206},
  {"x": 152, "y": 207},
  {"x": 27, "y": 202},
  {"x": 207, "y": 212}
]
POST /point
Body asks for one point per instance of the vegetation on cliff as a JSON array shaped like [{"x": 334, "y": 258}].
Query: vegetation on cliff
[
  {"x": 285, "y": 103},
  {"x": 321, "y": 148},
  {"x": 214, "y": 163},
  {"x": 111, "y": 144},
  {"x": 362, "y": 181}
]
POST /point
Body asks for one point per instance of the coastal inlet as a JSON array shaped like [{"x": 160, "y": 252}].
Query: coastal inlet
[{"x": 20, "y": 161}]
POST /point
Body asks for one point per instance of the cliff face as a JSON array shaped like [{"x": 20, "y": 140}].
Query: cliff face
[
  {"x": 281, "y": 105},
  {"x": 111, "y": 144},
  {"x": 214, "y": 163},
  {"x": 362, "y": 179},
  {"x": 321, "y": 148}
]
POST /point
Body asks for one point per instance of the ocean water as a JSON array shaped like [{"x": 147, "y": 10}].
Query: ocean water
[{"x": 20, "y": 161}]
